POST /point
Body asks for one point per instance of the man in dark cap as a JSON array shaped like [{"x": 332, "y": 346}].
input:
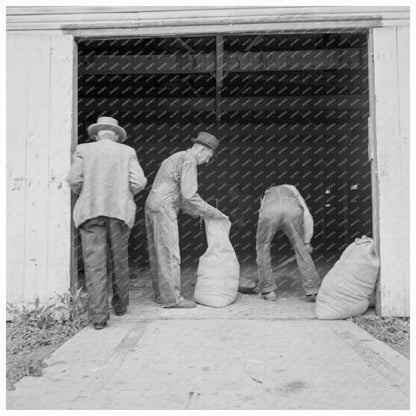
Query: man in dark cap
[
  {"x": 106, "y": 175},
  {"x": 175, "y": 187}
]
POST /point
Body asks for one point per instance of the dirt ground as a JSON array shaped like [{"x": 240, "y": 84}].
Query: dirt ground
[
  {"x": 395, "y": 332},
  {"x": 288, "y": 279}
]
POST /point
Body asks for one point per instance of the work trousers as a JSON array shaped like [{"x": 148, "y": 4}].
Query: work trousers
[
  {"x": 164, "y": 254},
  {"x": 286, "y": 214},
  {"x": 104, "y": 248}
]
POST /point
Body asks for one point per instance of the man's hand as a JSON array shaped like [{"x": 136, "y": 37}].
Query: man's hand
[
  {"x": 218, "y": 214},
  {"x": 223, "y": 216},
  {"x": 309, "y": 247}
]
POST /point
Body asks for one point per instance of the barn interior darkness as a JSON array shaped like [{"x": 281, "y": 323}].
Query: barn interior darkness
[{"x": 287, "y": 108}]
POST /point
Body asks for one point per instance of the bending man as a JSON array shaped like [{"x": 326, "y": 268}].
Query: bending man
[
  {"x": 283, "y": 208},
  {"x": 175, "y": 187}
]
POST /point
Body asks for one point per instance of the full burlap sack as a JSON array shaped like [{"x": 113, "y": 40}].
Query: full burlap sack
[
  {"x": 218, "y": 270},
  {"x": 346, "y": 289}
]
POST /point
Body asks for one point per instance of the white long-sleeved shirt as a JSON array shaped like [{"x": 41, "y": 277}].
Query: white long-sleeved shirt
[{"x": 177, "y": 183}]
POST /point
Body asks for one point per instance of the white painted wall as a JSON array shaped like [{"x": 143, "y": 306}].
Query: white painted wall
[
  {"x": 40, "y": 116},
  {"x": 392, "y": 105}
]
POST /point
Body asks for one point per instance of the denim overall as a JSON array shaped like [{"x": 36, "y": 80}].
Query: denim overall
[{"x": 280, "y": 210}]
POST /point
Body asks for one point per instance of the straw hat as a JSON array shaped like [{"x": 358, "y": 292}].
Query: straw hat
[{"x": 107, "y": 123}]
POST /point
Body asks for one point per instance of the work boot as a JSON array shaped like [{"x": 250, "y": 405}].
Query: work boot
[
  {"x": 183, "y": 304},
  {"x": 269, "y": 296},
  {"x": 246, "y": 289},
  {"x": 312, "y": 297},
  {"x": 247, "y": 285}
]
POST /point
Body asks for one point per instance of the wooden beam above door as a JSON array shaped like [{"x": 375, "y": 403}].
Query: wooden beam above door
[
  {"x": 329, "y": 134},
  {"x": 233, "y": 62},
  {"x": 168, "y": 105}
]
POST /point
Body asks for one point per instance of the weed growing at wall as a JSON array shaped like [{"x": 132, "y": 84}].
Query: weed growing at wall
[
  {"x": 395, "y": 332},
  {"x": 36, "y": 330}
]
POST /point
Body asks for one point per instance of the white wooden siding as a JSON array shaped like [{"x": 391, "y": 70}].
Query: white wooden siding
[
  {"x": 151, "y": 21},
  {"x": 16, "y": 165},
  {"x": 41, "y": 87},
  {"x": 40, "y": 92},
  {"x": 391, "y": 88},
  {"x": 403, "y": 68},
  {"x": 63, "y": 136}
]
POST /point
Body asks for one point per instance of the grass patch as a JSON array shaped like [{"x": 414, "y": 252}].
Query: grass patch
[
  {"x": 395, "y": 332},
  {"x": 37, "y": 330}
]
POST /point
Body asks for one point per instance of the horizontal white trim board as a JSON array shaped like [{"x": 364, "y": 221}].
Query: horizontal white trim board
[
  {"x": 72, "y": 19},
  {"x": 197, "y": 21},
  {"x": 186, "y": 15},
  {"x": 308, "y": 27},
  {"x": 237, "y": 11}
]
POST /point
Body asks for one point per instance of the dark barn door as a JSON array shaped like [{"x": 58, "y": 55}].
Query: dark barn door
[{"x": 286, "y": 108}]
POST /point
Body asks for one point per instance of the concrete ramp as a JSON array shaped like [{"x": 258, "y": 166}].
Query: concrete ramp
[{"x": 178, "y": 362}]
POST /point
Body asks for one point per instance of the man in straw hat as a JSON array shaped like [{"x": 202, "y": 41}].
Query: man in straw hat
[
  {"x": 106, "y": 175},
  {"x": 175, "y": 187}
]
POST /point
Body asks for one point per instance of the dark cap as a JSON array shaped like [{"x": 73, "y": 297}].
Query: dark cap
[{"x": 207, "y": 140}]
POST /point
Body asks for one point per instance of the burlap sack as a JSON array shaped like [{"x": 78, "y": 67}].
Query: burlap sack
[
  {"x": 346, "y": 289},
  {"x": 218, "y": 269}
]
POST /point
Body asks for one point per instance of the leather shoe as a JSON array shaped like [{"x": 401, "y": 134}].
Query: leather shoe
[
  {"x": 100, "y": 325},
  {"x": 120, "y": 313},
  {"x": 269, "y": 296}
]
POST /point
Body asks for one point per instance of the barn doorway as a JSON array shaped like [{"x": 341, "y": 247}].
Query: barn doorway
[{"x": 287, "y": 108}]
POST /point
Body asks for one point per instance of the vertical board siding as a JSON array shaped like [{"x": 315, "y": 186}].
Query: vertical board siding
[
  {"x": 37, "y": 143},
  {"x": 16, "y": 165},
  {"x": 393, "y": 194},
  {"x": 39, "y": 137},
  {"x": 403, "y": 66},
  {"x": 62, "y": 93}
]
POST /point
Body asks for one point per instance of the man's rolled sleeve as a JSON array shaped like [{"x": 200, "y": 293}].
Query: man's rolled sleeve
[
  {"x": 137, "y": 180},
  {"x": 75, "y": 176}
]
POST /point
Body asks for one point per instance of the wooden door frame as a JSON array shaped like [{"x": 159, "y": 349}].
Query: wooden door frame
[
  {"x": 388, "y": 146},
  {"x": 372, "y": 155},
  {"x": 219, "y": 79},
  {"x": 74, "y": 232}
]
